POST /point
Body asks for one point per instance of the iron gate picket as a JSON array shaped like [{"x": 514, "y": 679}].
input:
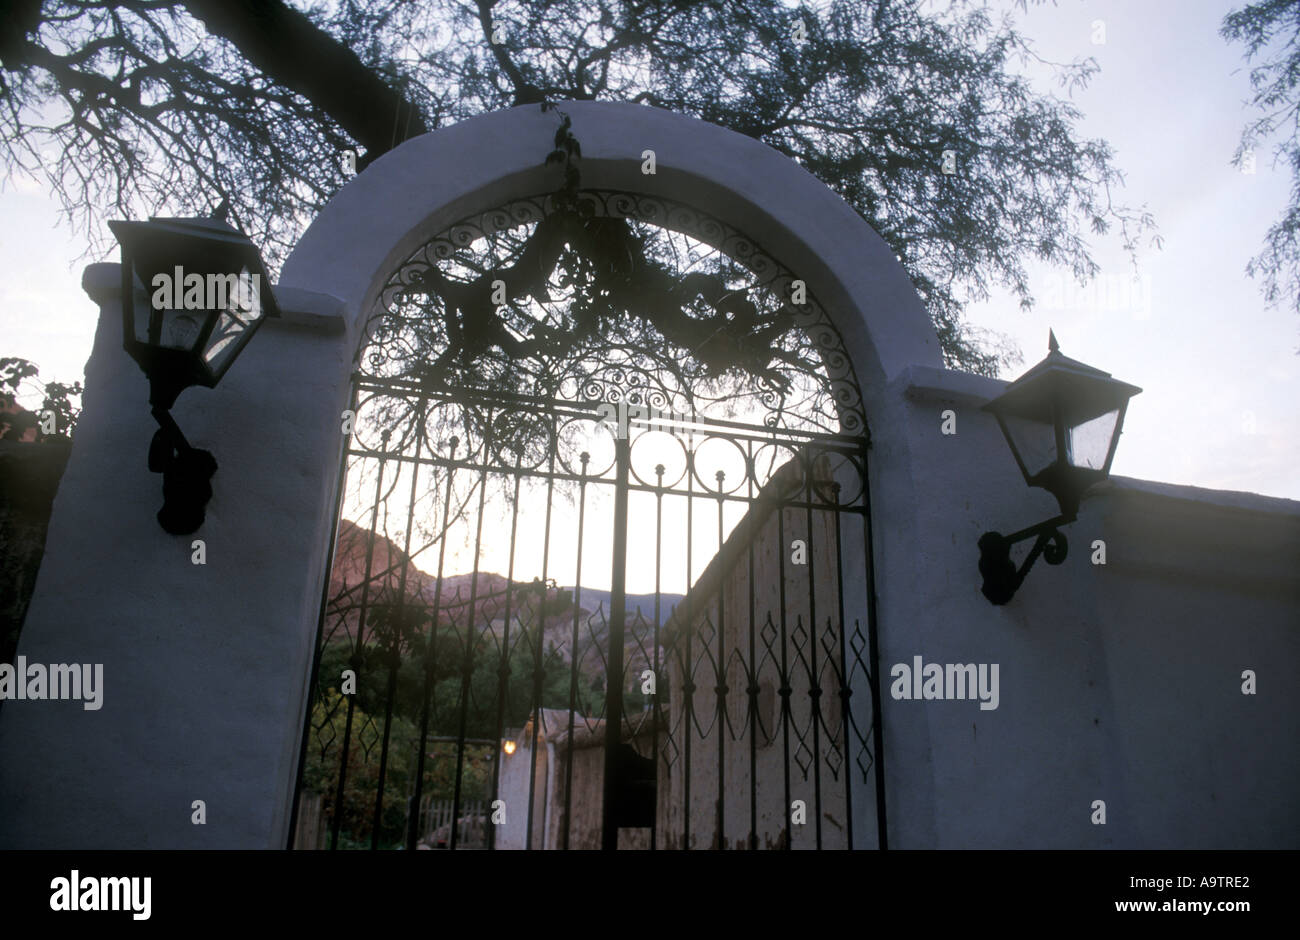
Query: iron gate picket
[
  {"x": 754, "y": 668},
  {"x": 730, "y": 700}
]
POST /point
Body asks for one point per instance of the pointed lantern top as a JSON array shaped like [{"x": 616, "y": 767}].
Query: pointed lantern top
[{"x": 1047, "y": 418}]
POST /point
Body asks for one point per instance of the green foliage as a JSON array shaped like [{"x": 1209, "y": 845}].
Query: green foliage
[
  {"x": 1270, "y": 31},
  {"x": 13, "y": 372},
  {"x": 57, "y": 397},
  {"x": 399, "y": 640},
  {"x": 444, "y": 660},
  {"x": 361, "y": 784},
  {"x": 321, "y": 772}
]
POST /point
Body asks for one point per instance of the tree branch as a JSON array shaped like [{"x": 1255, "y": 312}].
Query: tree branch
[{"x": 292, "y": 51}]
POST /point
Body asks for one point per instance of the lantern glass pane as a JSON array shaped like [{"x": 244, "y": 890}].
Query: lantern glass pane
[
  {"x": 1034, "y": 442},
  {"x": 180, "y": 329},
  {"x": 242, "y": 312},
  {"x": 1089, "y": 442},
  {"x": 140, "y": 311}
]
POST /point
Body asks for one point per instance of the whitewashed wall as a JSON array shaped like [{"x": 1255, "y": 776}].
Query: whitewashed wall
[{"x": 1118, "y": 683}]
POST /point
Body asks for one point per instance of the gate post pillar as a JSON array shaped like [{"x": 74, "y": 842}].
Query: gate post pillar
[{"x": 204, "y": 665}]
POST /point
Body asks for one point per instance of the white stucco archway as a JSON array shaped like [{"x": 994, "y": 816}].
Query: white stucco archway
[
  {"x": 429, "y": 182},
  {"x": 207, "y": 667}
]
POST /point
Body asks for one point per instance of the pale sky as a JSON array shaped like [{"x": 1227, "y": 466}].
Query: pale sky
[
  {"x": 1220, "y": 373},
  {"x": 1219, "y": 370}
]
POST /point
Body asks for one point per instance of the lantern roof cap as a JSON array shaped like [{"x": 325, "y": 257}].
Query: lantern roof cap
[
  {"x": 191, "y": 242},
  {"x": 167, "y": 255},
  {"x": 204, "y": 229},
  {"x": 1084, "y": 388}
]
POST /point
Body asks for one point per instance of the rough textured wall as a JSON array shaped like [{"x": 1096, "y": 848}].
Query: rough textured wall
[
  {"x": 1119, "y": 682},
  {"x": 514, "y": 790},
  {"x": 587, "y": 803}
]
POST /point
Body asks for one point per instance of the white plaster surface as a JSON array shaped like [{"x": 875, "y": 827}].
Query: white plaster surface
[{"x": 1118, "y": 683}]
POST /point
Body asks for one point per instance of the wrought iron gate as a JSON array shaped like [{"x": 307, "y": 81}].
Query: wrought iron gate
[{"x": 610, "y": 624}]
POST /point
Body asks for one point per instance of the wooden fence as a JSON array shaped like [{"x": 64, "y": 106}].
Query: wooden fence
[{"x": 436, "y": 819}]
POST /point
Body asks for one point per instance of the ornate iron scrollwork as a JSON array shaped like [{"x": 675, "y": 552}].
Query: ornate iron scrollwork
[{"x": 806, "y": 381}]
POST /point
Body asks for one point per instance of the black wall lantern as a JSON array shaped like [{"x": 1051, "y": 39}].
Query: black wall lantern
[
  {"x": 1062, "y": 420},
  {"x": 208, "y": 292}
]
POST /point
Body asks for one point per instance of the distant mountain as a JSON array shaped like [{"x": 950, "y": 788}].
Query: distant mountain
[
  {"x": 389, "y": 564},
  {"x": 592, "y": 598}
]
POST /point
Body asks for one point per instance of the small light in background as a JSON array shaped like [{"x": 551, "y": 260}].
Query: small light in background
[{"x": 508, "y": 747}]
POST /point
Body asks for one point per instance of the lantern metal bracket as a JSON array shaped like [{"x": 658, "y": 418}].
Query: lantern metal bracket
[
  {"x": 169, "y": 431},
  {"x": 219, "y": 326},
  {"x": 1001, "y": 577},
  {"x": 187, "y": 475}
]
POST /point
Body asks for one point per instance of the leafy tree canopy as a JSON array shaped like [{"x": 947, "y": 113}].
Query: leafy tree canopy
[
  {"x": 1270, "y": 31},
  {"x": 171, "y": 107}
]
